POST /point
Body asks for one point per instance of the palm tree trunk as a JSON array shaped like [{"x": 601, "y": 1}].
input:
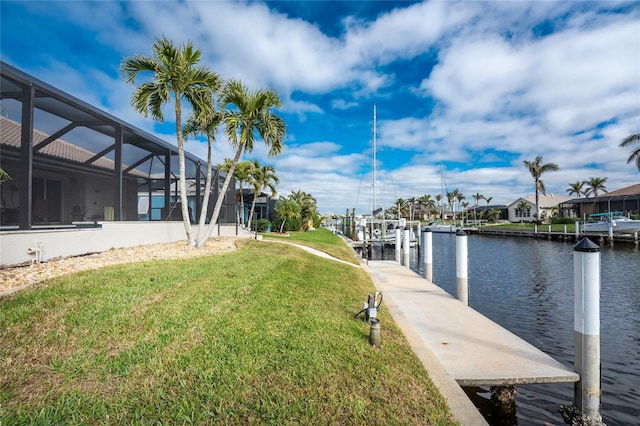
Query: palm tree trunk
[
  {"x": 219, "y": 201},
  {"x": 282, "y": 225},
  {"x": 183, "y": 182},
  {"x": 207, "y": 190},
  {"x": 253, "y": 206}
]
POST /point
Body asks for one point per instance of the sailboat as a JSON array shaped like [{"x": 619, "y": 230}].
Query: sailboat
[
  {"x": 370, "y": 228},
  {"x": 440, "y": 226}
]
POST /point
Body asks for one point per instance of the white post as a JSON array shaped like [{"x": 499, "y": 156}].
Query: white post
[
  {"x": 462, "y": 260},
  {"x": 406, "y": 246},
  {"x": 428, "y": 254},
  {"x": 586, "y": 325},
  {"x": 398, "y": 253},
  {"x": 577, "y": 230}
]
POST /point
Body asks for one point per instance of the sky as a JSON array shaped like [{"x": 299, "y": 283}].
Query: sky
[{"x": 464, "y": 91}]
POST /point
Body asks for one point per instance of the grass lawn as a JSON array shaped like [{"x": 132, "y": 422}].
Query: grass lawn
[
  {"x": 262, "y": 335},
  {"x": 321, "y": 239},
  {"x": 531, "y": 227}
]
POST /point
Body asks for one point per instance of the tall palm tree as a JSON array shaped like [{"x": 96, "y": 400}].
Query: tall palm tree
[
  {"x": 477, "y": 197},
  {"x": 635, "y": 153},
  {"x": 410, "y": 202},
  {"x": 287, "y": 209},
  {"x": 522, "y": 207},
  {"x": 249, "y": 114},
  {"x": 176, "y": 76},
  {"x": 488, "y": 200},
  {"x": 206, "y": 124},
  {"x": 241, "y": 173},
  {"x": 595, "y": 184},
  {"x": 261, "y": 177},
  {"x": 576, "y": 189},
  {"x": 537, "y": 169},
  {"x": 427, "y": 202}
]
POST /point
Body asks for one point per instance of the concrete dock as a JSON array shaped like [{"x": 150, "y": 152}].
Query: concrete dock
[{"x": 457, "y": 343}]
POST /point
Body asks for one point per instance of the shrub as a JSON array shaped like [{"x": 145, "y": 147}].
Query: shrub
[
  {"x": 260, "y": 225},
  {"x": 563, "y": 220},
  {"x": 289, "y": 226}
]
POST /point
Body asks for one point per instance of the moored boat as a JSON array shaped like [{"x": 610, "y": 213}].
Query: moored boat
[{"x": 614, "y": 221}]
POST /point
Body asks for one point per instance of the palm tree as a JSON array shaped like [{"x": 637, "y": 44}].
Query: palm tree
[
  {"x": 427, "y": 202},
  {"x": 594, "y": 185},
  {"x": 635, "y": 154},
  {"x": 206, "y": 124},
  {"x": 175, "y": 77},
  {"x": 537, "y": 169},
  {"x": 241, "y": 173},
  {"x": 522, "y": 207},
  {"x": 477, "y": 197},
  {"x": 488, "y": 200},
  {"x": 451, "y": 198},
  {"x": 308, "y": 207},
  {"x": 576, "y": 188},
  {"x": 287, "y": 208},
  {"x": 410, "y": 202},
  {"x": 248, "y": 114},
  {"x": 261, "y": 177}
]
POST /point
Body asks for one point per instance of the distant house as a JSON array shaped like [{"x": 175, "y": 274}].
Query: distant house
[
  {"x": 549, "y": 206},
  {"x": 625, "y": 200}
]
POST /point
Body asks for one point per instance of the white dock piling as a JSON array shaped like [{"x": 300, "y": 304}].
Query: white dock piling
[
  {"x": 427, "y": 245},
  {"x": 398, "y": 251},
  {"x": 406, "y": 247},
  {"x": 586, "y": 314},
  {"x": 577, "y": 230},
  {"x": 462, "y": 261}
]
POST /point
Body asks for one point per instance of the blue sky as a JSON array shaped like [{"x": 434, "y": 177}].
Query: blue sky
[{"x": 476, "y": 87}]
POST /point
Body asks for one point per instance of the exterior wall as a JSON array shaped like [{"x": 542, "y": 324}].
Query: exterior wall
[
  {"x": 514, "y": 212},
  {"x": 15, "y": 246}
]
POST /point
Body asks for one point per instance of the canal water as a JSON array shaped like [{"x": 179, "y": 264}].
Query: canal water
[{"x": 526, "y": 286}]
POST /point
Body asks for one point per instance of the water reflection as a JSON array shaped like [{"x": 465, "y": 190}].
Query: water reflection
[{"x": 526, "y": 285}]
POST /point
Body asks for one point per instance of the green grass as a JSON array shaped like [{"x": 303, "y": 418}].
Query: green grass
[
  {"x": 531, "y": 227},
  {"x": 321, "y": 239},
  {"x": 262, "y": 335}
]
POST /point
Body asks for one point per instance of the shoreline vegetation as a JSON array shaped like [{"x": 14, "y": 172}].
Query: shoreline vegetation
[{"x": 264, "y": 334}]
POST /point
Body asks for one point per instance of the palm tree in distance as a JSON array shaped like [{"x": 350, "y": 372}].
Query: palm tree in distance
[
  {"x": 576, "y": 189},
  {"x": 428, "y": 203},
  {"x": 488, "y": 200},
  {"x": 537, "y": 169},
  {"x": 175, "y": 77},
  {"x": 522, "y": 207},
  {"x": 241, "y": 173},
  {"x": 635, "y": 153},
  {"x": 595, "y": 184},
  {"x": 261, "y": 177},
  {"x": 287, "y": 209},
  {"x": 248, "y": 114}
]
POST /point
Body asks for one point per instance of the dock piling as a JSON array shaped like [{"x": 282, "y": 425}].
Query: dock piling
[
  {"x": 427, "y": 245},
  {"x": 462, "y": 261},
  {"x": 586, "y": 316},
  {"x": 406, "y": 248},
  {"x": 398, "y": 252}
]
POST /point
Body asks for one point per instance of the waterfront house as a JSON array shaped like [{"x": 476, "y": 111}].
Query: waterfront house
[
  {"x": 72, "y": 166},
  {"x": 625, "y": 200},
  {"x": 549, "y": 206}
]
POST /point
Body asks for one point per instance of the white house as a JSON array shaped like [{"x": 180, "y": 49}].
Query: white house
[{"x": 548, "y": 203}]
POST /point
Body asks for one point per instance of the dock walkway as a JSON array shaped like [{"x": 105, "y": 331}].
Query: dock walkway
[{"x": 458, "y": 345}]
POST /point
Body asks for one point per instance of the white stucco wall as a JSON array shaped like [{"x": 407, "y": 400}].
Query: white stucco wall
[{"x": 18, "y": 247}]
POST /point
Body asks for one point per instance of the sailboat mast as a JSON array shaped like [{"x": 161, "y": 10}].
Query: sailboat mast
[{"x": 373, "y": 183}]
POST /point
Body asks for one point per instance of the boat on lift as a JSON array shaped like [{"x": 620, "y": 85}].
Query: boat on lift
[{"x": 614, "y": 221}]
